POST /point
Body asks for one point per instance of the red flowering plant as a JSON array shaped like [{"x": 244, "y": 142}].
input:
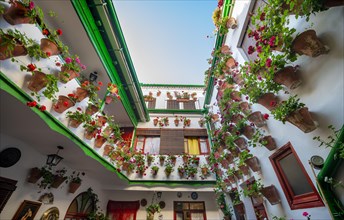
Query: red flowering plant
[
  {"x": 33, "y": 11},
  {"x": 91, "y": 126},
  {"x": 53, "y": 35},
  {"x": 78, "y": 115},
  {"x": 285, "y": 108},
  {"x": 92, "y": 89},
  {"x": 253, "y": 188}
]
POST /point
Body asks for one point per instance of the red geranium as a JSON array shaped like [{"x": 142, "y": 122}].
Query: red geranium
[
  {"x": 59, "y": 32},
  {"x": 31, "y": 67}
]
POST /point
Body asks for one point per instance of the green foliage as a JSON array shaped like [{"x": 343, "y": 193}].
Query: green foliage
[
  {"x": 331, "y": 140},
  {"x": 286, "y": 107},
  {"x": 153, "y": 208},
  {"x": 253, "y": 189},
  {"x": 221, "y": 203},
  {"x": 78, "y": 116}
]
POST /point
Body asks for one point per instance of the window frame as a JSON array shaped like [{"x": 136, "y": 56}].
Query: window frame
[
  {"x": 199, "y": 144},
  {"x": 307, "y": 200},
  {"x": 144, "y": 141},
  {"x": 190, "y": 210}
]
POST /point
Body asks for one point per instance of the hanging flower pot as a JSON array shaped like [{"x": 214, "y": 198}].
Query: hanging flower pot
[
  {"x": 155, "y": 121},
  {"x": 81, "y": 94},
  {"x": 74, "y": 123},
  {"x": 231, "y": 178},
  {"x": 107, "y": 150},
  {"x": 73, "y": 187},
  {"x": 101, "y": 121},
  {"x": 62, "y": 104},
  {"x": 8, "y": 50},
  {"x": 268, "y": 100},
  {"x": 99, "y": 141},
  {"x": 257, "y": 119},
  {"x": 35, "y": 175},
  {"x": 238, "y": 174},
  {"x": 232, "y": 23},
  {"x": 89, "y": 134},
  {"x": 18, "y": 14},
  {"x": 225, "y": 164},
  {"x": 235, "y": 95},
  {"x": 49, "y": 47},
  {"x": 302, "y": 119},
  {"x": 268, "y": 142},
  {"x": 238, "y": 79},
  {"x": 66, "y": 75},
  {"x": 231, "y": 63},
  {"x": 107, "y": 131},
  {"x": 271, "y": 194},
  {"x": 248, "y": 131},
  {"x": 245, "y": 107},
  {"x": 289, "y": 77},
  {"x": 229, "y": 157},
  {"x": 91, "y": 110},
  {"x": 38, "y": 81},
  {"x": 176, "y": 122},
  {"x": 240, "y": 208},
  {"x": 237, "y": 118},
  {"x": 234, "y": 151},
  {"x": 58, "y": 180},
  {"x": 253, "y": 163},
  {"x": 307, "y": 43},
  {"x": 241, "y": 143},
  {"x": 244, "y": 169}
]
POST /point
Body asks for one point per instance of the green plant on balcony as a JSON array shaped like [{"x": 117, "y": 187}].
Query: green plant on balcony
[
  {"x": 222, "y": 204},
  {"x": 244, "y": 155},
  {"x": 194, "y": 160},
  {"x": 190, "y": 171},
  {"x": 169, "y": 168},
  {"x": 331, "y": 140},
  {"x": 253, "y": 189},
  {"x": 162, "y": 159},
  {"x": 285, "y": 108},
  {"x": 78, "y": 116},
  {"x": 53, "y": 36},
  {"x": 150, "y": 159},
  {"x": 172, "y": 159},
  {"x": 155, "y": 170}
]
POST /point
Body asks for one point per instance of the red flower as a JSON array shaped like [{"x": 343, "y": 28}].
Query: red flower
[
  {"x": 98, "y": 88},
  {"x": 71, "y": 95},
  {"x": 48, "y": 54},
  {"x": 31, "y": 67},
  {"x": 268, "y": 62},
  {"x": 43, "y": 108},
  {"x": 266, "y": 116},
  {"x": 250, "y": 50},
  {"x": 305, "y": 214},
  {"x": 31, "y": 104},
  {"x": 59, "y": 32},
  {"x": 45, "y": 32},
  {"x": 272, "y": 103},
  {"x": 65, "y": 104},
  {"x": 100, "y": 83},
  {"x": 58, "y": 64},
  {"x": 78, "y": 108},
  {"x": 118, "y": 170}
]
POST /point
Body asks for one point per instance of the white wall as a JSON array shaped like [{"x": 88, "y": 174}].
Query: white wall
[
  {"x": 322, "y": 91},
  {"x": 28, "y": 191}
]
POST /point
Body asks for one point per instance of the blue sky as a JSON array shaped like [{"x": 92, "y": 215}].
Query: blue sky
[{"x": 167, "y": 40}]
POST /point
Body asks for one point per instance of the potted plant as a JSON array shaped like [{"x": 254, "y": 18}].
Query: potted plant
[
  {"x": 150, "y": 159},
  {"x": 296, "y": 113},
  {"x": 130, "y": 167},
  {"x": 169, "y": 95},
  {"x": 187, "y": 122},
  {"x": 271, "y": 194},
  {"x": 195, "y": 160},
  {"x": 181, "y": 171},
  {"x": 176, "y": 121},
  {"x": 23, "y": 12},
  {"x": 48, "y": 177},
  {"x": 75, "y": 181},
  {"x": 107, "y": 150},
  {"x": 190, "y": 171},
  {"x": 155, "y": 170},
  {"x": 140, "y": 169},
  {"x": 35, "y": 175},
  {"x": 162, "y": 159},
  {"x": 59, "y": 178},
  {"x": 185, "y": 158},
  {"x": 71, "y": 69},
  {"x": 165, "y": 121},
  {"x": 92, "y": 108},
  {"x": 268, "y": 142},
  {"x": 63, "y": 103},
  {"x": 155, "y": 121},
  {"x": 201, "y": 122},
  {"x": 52, "y": 45},
  {"x": 77, "y": 117},
  {"x": 205, "y": 170},
  {"x": 151, "y": 210},
  {"x": 91, "y": 129},
  {"x": 253, "y": 189},
  {"x": 169, "y": 168},
  {"x": 172, "y": 159}
]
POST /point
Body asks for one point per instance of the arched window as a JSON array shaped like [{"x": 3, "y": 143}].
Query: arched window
[{"x": 81, "y": 207}]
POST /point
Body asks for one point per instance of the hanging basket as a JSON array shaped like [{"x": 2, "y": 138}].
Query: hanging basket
[
  {"x": 257, "y": 119},
  {"x": 62, "y": 104},
  {"x": 73, "y": 187},
  {"x": 302, "y": 119},
  {"x": 271, "y": 194},
  {"x": 253, "y": 163},
  {"x": 35, "y": 175},
  {"x": 17, "y": 14},
  {"x": 268, "y": 142},
  {"x": 38, "y": 81},
  {"x": 18, "y": 50}
]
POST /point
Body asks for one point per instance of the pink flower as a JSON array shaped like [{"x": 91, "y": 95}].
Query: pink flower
[
  {"x": 31, "y": 5},
  {"x": 83, "y": 67},
  {"x": 268, "y": 62},
  {"x": 68, "y": 60},
  {"x": 77, "y": 60},
  {"x": 250, "y": 50},
  {"x": 262, "y": 16},
  {"x": 305, "y": 214},
  {"x": 259, "y": 49}
]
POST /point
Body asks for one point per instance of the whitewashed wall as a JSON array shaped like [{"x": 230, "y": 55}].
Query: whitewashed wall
[
  {"x": 323, "y": 93},
  {"x": 29, "y": 191}
]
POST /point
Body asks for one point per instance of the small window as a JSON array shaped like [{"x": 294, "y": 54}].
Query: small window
[
  {"x": 190, "y": 105},
  {"x": 148, "y": 144},
  {"x": 172, "y": 104},
  {"x": 296, "y": 184},
  {"x": 196, "y": 146},
  {"x": 189, "y": 211},
  {"x": 151, "y": 103}
]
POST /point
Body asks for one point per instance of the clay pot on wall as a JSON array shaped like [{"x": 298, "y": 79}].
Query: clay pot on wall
[
  {"x": 289, "y": 77},
  {"x": 268, "y": 142},
  {"x": 81, "y": 94},
  {"x": 248, "y": 131},
  {"x": 99, "y": 141},
  {"x": 18, "y": 50},
  {"x": 257, "y": 119},
  {"x": 302, "y": 119},
  {"x": 232, "y": 23},
  {"x": 17, "y": 14},
  {"x": 268, "y": 100},
  {"x": 253, "y": 163},
  {"x": 62, "y": 104},
  {"x": 241, "y": 143},
  {"x": 231, "y": 63},
  {"x": 49, "y": 47},
  {"x": 35, "y": 175},
  {"x": 58, "y": 180},
  {"x": 244, "y": 169},
  {"x": 245, "y": 107},
  {"x": 101, "y": 121},
  {"x": 235, "y": 95},
  {"x": 89, "y": 134},
  {"x": 240, "y": 208},
  {"x": 271, "y": 194},
  {"x": 91, "y": 110},
  {"x": 107, "y": 150},
  {"x": 66, "y": 75},
  {"x": 73, "y": 187},
  {"x": 307, "y": 43},
  {"x": 38, "y": 81},
  {"x": 74, "y": 123}
]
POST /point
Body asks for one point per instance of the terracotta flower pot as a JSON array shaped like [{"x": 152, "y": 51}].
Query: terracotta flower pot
[
  {"x": 66, "y": 75},
  {"x": 107, "y": 150},
  {"x": 91, "y": 110},
  {"x": 237, "y": 118},
  {"x": 225, "y": 164},
  {"x": 155, "y": 122},
  {"x": 229, "y": 158},
  {"x": 181, "y": 174},
  {"x": 35, "y": 175},
  {"x": 238, "y": 174},
  {"x": 234, "y": 151},
  {"x": 101, "y": 121},
  {"x": 241, "y": 143},
  {"x": 81, "y": 94},
  {"x": 38, "y": 81},
  {"x": 248, "y": 131},
  {"x": 271, "y": 194},
  {"x": 49, "y": 47},
  {"x": 58, "y": 180},
  {"x": 231, "y": 178},
  {"x": 257, "y": 200},
  {"x": 99, "y": 141},
  {"x": 253, "y": 163},
  {"x": 268, "y": 100},
  {"x": 244, "y": 169},
  {"x": 232, "y": 23},
  {"x": 231, "y": 63},
  {"x": 302, "y": 119},
  {"x": 235, "y": 95},
  {"x": 16, "y": 14},
  {"x": 245, "y": 107},
  {"x": 205, "y": 171},
  {"x": 289, "y": 77},
  {"x": 238, "y": 79},
  {"x": 62, "y": 104},
  {"x": 268, "y": 142},
  {"x": 257, "y": 119},
  {"x": 74, "y": 123},
  {"x": 90, "y": 134},
  {"x": 73, "y": 187},
  {"x": 185, "y": 159},
  {"x": 307, "y": 43},
  {"x": 176, "y": 123},
  {"x": 18, "y": 50}
]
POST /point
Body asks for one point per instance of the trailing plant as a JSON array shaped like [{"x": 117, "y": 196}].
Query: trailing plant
[
  {"x": 331, "y": 140},
  {"x": 253, "y": 188},
  {"x": 75, "y": 177},
  {"x": 285, "y": 108}
]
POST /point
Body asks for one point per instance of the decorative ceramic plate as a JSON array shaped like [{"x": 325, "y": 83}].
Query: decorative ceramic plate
[{"x": 194, "y": 195}]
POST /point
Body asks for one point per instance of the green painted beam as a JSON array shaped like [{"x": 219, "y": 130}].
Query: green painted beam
[
  {"x": 93, "y": 33},
  {"x": 218, "y": 43},
  {"x": 175, "y": 111},
  {"x": 172, "y": 85},
  {"x": 331, "y": 166}
]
